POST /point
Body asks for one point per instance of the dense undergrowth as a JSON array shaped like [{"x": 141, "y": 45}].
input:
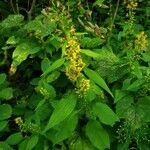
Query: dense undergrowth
[{"x": 75, "y": 75}]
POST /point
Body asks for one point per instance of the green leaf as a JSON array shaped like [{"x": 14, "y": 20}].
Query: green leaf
[
  {"x": 58, "y": 63},
  {"x": 62, "y": 111},
  {"x": 2, "y": 78},
  {"x": 64, "y": 129},
  {"x": 98, "y": 2},
  {"x": 89, "y": 53},
  {"x": 5, "y": 146},
  {"x": 46, "y": 90},
  {"x": 105, "y": 114},
  {"x": 3, "y": 124},
  {"x": 22, "y": 51},
  {"x": 6, "y": 93},
  {"x": 14, "y": 138},
  {"x": 94, "y": 76},
  {"x": 136, "y": 85},
  {"x": 12, "y": 21},
  {"x": 5, "y": 111},
  {"x": 32, "y": 141},
  {"x": 81, "y": 144},
  {"x": 97, "y": 135},
  {"x": 45, "y": 64}
]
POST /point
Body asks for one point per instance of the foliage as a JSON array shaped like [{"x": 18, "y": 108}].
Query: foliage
[{"x": 75, "y": 75}]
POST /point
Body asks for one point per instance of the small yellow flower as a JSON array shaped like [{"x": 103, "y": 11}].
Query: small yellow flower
[
  {"x": 19, "y": 121},
  {"x": 83, "y": 87},
  {"x": 132, "y": 4}
]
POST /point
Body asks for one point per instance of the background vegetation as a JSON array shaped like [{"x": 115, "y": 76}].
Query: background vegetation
[{"x": 74, "y": 74}]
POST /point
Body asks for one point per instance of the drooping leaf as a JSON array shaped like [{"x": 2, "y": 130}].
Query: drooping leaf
[
  {"x": 22, "y": 51},
  {"x": 94, "y": 76},
  {"x": 105, "y": 114},
  {"x": 5, "y": 111},
  {"x": 62, "y": 111},
  {"x": 97, "y": 135}
]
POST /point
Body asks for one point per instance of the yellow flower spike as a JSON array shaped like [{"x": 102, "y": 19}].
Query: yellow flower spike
[
  {"x": 141, "y": 41},
  {"x": 84, "y": 86}
]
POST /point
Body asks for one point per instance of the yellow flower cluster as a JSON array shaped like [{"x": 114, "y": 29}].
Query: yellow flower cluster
[
  {"x": 84, "y": 86},
  {"x": 25, "y": 127},
  {"x": 19, "y": 121},
  {"x": 141, "y": 41},
  {"x": 73, "y": 70},
  {"x": 132, "y": 4}
]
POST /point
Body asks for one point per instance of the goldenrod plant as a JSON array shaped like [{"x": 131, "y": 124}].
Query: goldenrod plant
[{"x": 75, "y": 75}]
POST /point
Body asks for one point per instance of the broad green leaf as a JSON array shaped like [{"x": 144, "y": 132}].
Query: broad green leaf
[
  {"x": 97, "y": 135},
  {"x": 105, "y": 114},
  {"x": 45, "y": 64},
  {"x": 22, "y": 51},
  {"x": 14, "y": 138},
  {"x": 135, "y": 85},
  {"x": 64, "y": 129},
  {"x": 119, "y": 94},
  {"x": 81, "y": 144},
  {"x": 94, "y": 76},
  {"x": 2, "y": 78},
  {"x": 5, "y": 111},
  {"x": 3, "y": 124},
  {"x": 58, "y": 63},
  {"x": 5, "y": 146},
  {"x": 87, "y": 42},
  {"x": 32, "y": 142},
  {"x": 62, "y": 111},
  {"x": 6, "y": 93},
  {"x": 89, "y": 53}
]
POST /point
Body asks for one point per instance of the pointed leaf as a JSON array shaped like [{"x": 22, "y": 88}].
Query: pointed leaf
[
  {"x": 97, "y": 135},
  {"x": 105, "y": 114},
  {"x": 62, "y": 111},
  {"x": 58, "y": 63},
  {"x": 94, "y": 76}
]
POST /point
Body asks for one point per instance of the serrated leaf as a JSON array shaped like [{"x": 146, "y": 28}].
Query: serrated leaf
[
  {"x": 32, "y": 142},
  {"x": 14, "y": 138},
  {"x": 89, "y": 53},
  {"x": 62, "y": 111},
  {"x": 105, "y": 114},
  {"x": 97, "y": 135},
  {"x": 6, "y": 93},
  {"x": 94, "y": 76},
  {"x": 5, "y": 111},
  {"x": 12, "y": 21},
  {"x": 58, "y": 63}
]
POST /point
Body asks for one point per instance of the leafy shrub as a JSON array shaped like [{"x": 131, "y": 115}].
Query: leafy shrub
[{"x": 68, "y": 81}]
